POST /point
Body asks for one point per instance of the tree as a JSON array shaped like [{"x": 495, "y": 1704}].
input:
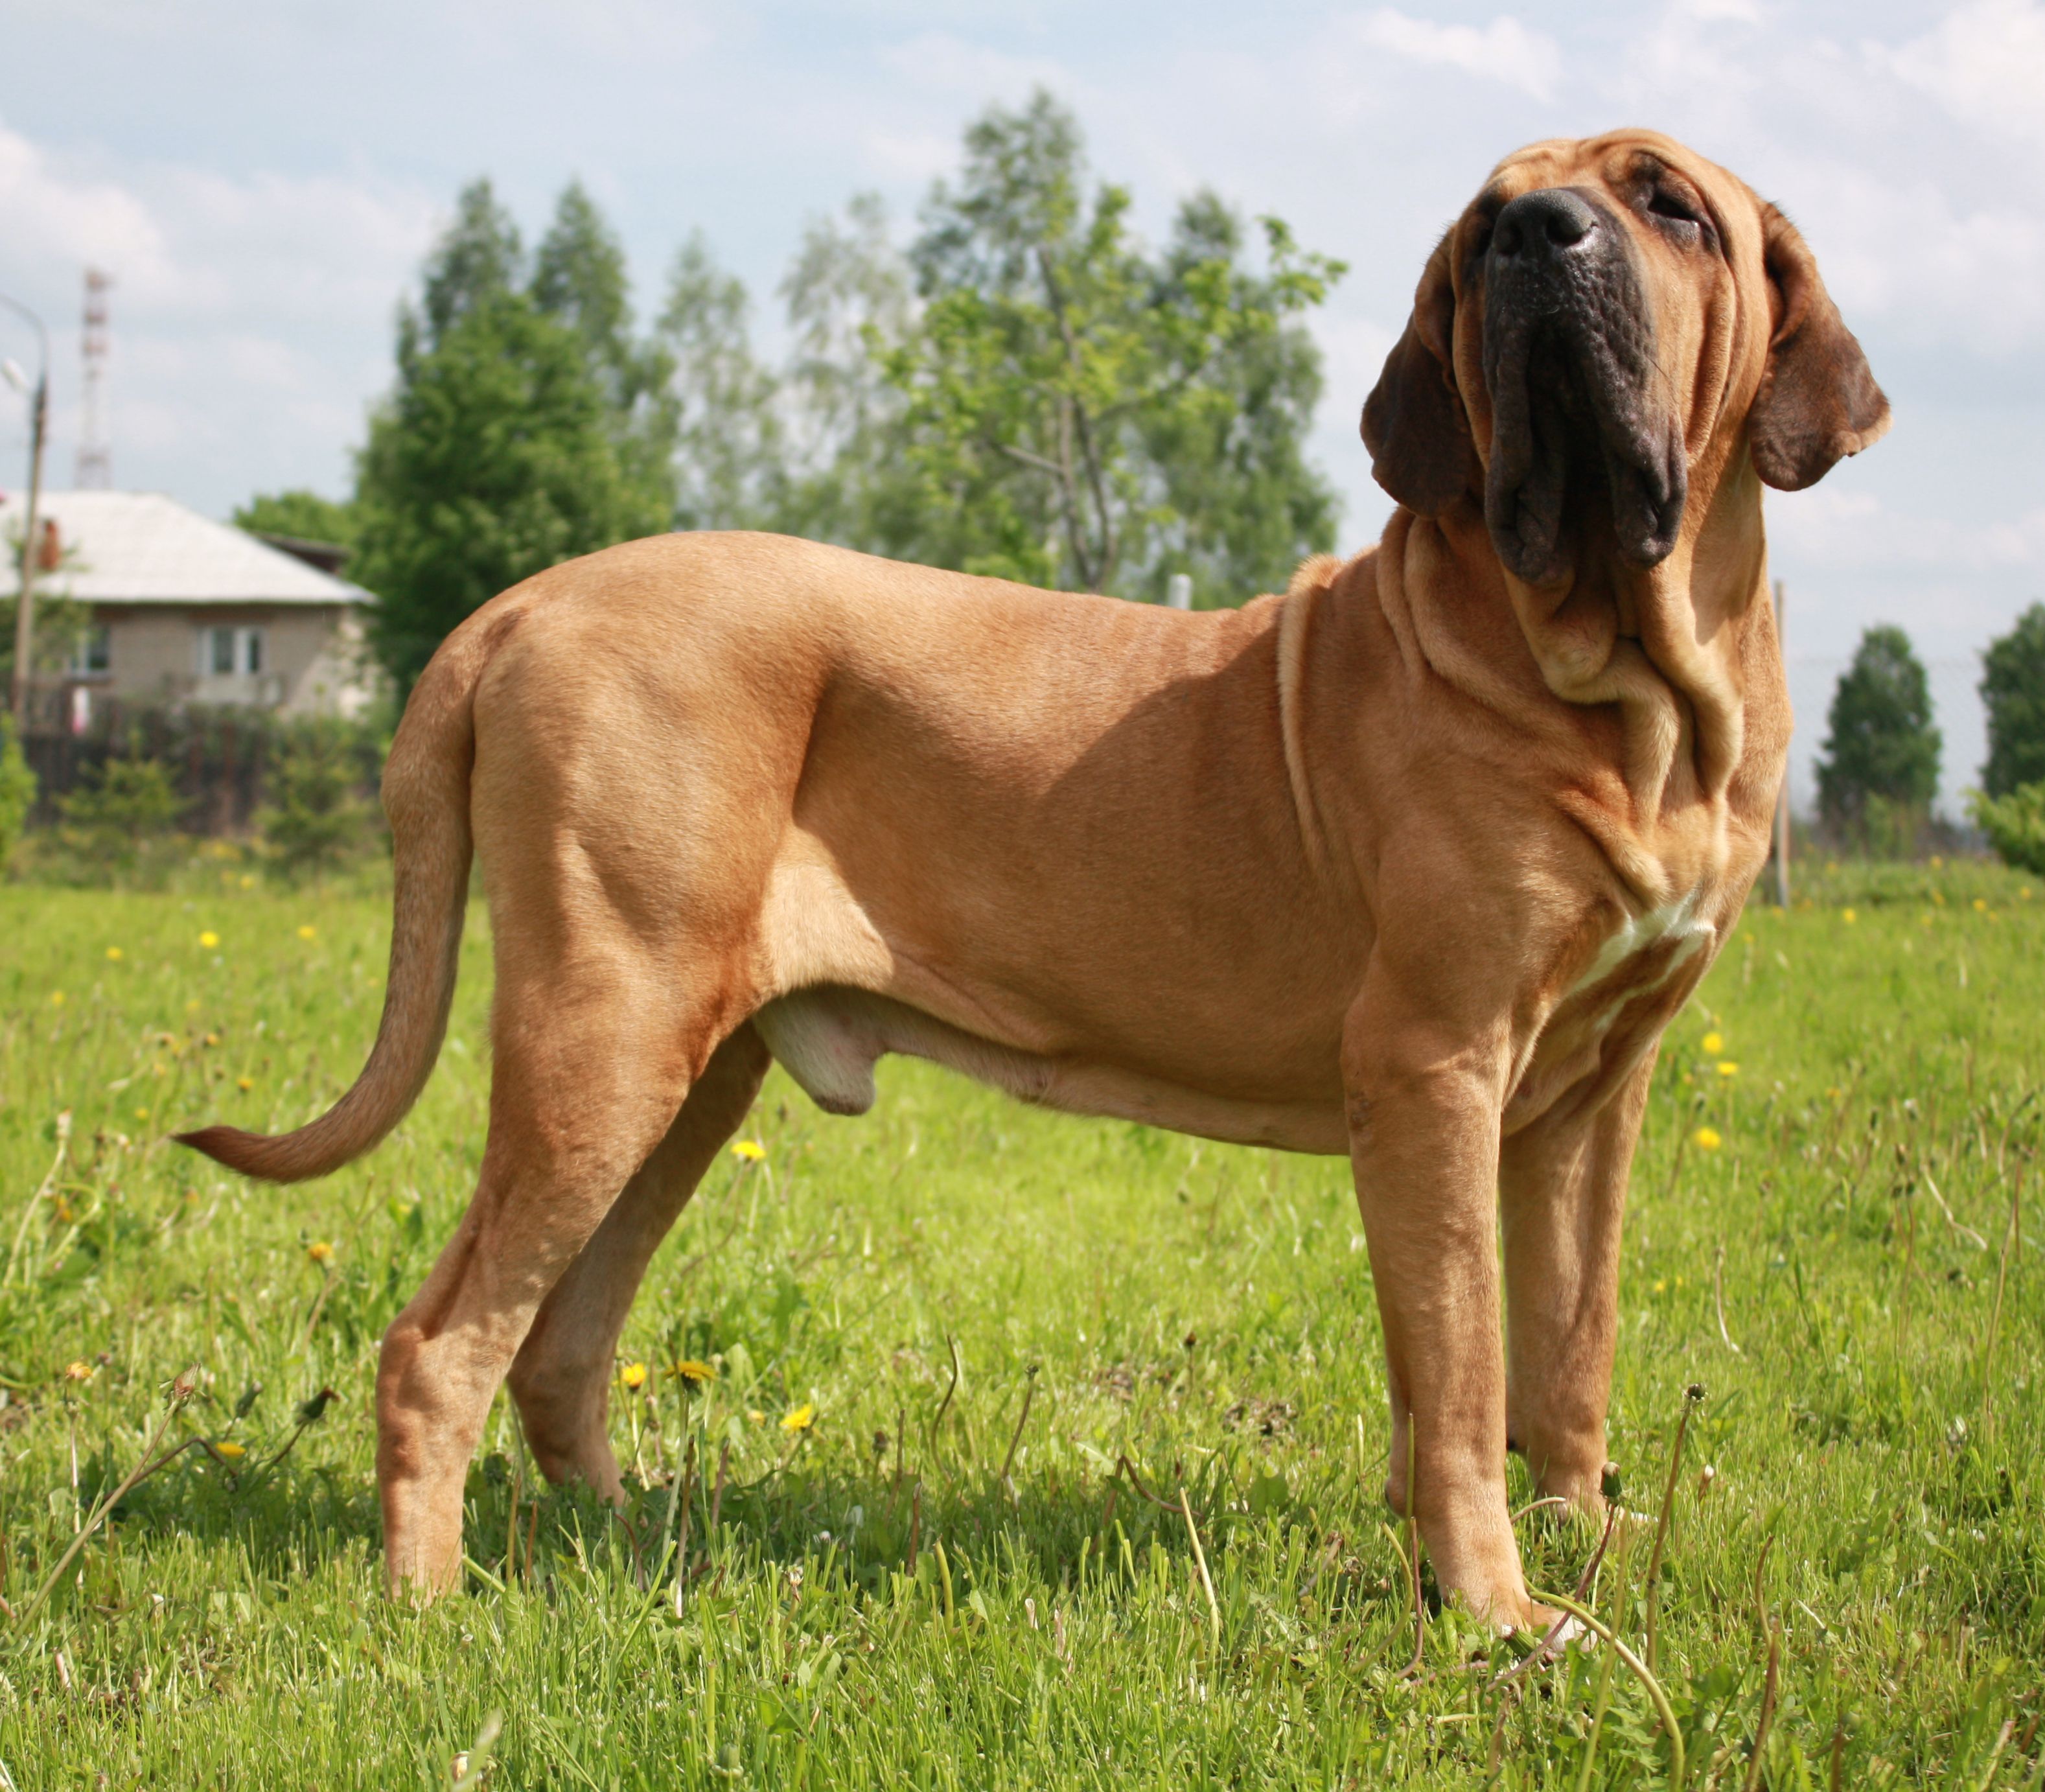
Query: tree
[
  {"x": 1881, "y": 756},
  {"x": 509, "y": 443},
  {"x": 729, "y": 450},
  {"x": 1082, "y": 414},
  {"x": 303, "y": 514},
  {"x": 850, "y": 301},
  {"x": 579, "y": 279},
  {"x": 2012, "y": 687}
]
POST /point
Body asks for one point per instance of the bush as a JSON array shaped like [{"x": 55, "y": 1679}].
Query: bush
[
  {"x": 2014, "y": 825},
  {"x": 17, "y": 789},
  {"x": 318, "y": 819},
  {"x": 118, "y": 821}
]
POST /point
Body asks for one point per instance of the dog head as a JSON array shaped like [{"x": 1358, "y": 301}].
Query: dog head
[{"x": 1607, "y": 325}]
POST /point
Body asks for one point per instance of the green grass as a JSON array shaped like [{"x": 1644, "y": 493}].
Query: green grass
[{"x": 1873, "y": 1500}]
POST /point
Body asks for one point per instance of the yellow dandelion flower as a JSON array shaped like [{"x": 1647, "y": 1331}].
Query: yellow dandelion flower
[
  {"x": 749, "y": 1148},
  {"x": 209, "y": 939},
  {"x": 1980, "y": 905},
  {"x": 248, "y": 882},
  {"x": 695, "y": 1374},
  {"x": 1849, "y": 916},
  {"x": 757, "y": 1417},
  {"x": 1833, "y": 1094},
  {"x": 1924, "y": 920},
  {"x": 244, "y": 1084},
  {"x": 229, "y": 1448},
  {"x": 320, "y": 1251},
  {"x": 309, "y": 932},
  {"x": 56, "y": 998},
  {"x": 632, "y": 1375},
  {"x": 115, "y": 954},
  {"x": 212, "y": 1038},
  {"x": 1660, "y": 1287},
  {"x": 1706, "y": 1138},
  {"x": 1714, "y": 1044},
  {"x": 80, "y": 1371},
  {"x": 2023, "y": 895},
  {"x": 141, "y": 1113},
  {"x": 194, "y": 1005},
  {"x": 1727, "y": 1067},
  {"x": 799, "y": 1420}
]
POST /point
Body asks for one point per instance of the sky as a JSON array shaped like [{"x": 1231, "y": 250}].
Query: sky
[{"x": 263, "y": 183}]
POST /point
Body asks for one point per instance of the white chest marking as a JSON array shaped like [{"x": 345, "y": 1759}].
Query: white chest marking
[{"x": 1676, "y": 922}]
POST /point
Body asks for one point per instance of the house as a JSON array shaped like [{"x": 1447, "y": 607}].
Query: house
[{"x": 181, "y": 610}]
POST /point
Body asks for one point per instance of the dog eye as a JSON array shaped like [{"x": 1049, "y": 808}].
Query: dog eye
[{"x": 1665, "y": 204}]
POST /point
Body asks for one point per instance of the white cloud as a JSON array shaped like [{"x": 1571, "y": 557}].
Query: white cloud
[
  {"x": 1985, "y": 63},
  {"x": 942, "y": 62},
  {"x": 250, "y": 316},
  {"x": 1504, "y": 51},
  {"x": 1853, "y": 528}
]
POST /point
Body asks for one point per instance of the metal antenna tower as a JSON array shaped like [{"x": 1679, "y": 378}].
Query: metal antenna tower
[{"x": 95, "y": 454}]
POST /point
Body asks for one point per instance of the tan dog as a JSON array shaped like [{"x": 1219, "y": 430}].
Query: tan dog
[{"x": 1415, "y": 862}]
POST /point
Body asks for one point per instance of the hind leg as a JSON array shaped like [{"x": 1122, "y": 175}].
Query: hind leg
[
  {"x": 593, "y": 1060},
  {"x": 561, "y": 1376}
]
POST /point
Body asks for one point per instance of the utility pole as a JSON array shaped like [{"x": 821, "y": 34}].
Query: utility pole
[
  {"x": 32, "y": 546},
  {"x": 1782, "y": 797}
]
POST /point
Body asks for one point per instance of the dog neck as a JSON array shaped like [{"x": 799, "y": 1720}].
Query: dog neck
[{"x": 1669, "y": 651}]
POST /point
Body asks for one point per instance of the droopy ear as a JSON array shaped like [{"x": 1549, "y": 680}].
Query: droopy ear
[
  {"x": 1818, "y": 401},
  {"x": 1413, "y": 422}
]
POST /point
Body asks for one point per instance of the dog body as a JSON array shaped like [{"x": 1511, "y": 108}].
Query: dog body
[{"x": 1414, "y": 862}]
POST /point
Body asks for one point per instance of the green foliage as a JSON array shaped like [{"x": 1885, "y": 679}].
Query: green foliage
[
  {"x": 579, "y": 279},
  {"x": 1882, "y": 749},
  {"x": 729, "y": 455},
  {"x": 1028, "y": 393},
  {"x": 2013, "y": 689},
  {"x": 303, "y": 514},
  {"x": 118, "y": 821},
  {"x": 2014, "y": 825},
  {"x": 17, "y": 789},
  {"x": 1877, "y": 1483},
  {"x": 318, "y": 818},
  {"x": 1080, "y": 414},
  {"x": 849, "y": 298},
  {"x": 520, "y": 433}
]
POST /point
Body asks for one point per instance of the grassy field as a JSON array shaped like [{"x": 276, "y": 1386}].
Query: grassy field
[{"x": 910, "y": 1555}]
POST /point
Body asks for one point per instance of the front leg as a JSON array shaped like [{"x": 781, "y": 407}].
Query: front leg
[
  {"x": 1562, "y": 1191},
  {"x": 1424, "y": 1124}
]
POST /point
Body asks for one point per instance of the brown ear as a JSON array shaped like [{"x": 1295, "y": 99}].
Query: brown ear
[
  {"x": 1413, "y": 422},
  {"x": 1818, "y": 401}
]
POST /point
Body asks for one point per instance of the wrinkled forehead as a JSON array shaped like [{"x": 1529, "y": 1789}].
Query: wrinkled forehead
[{"x": 1620, "y": 162}]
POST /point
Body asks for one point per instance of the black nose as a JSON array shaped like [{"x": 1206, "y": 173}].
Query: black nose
[{"x": 1538, "y": 225}]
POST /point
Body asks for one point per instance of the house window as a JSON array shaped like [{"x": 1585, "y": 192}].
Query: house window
[
  {"x": 224, "y": 652},
  {"x": 92, "y": 653}
]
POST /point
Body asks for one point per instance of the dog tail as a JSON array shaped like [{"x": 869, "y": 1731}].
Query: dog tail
[{"x": 427, "y": 797}]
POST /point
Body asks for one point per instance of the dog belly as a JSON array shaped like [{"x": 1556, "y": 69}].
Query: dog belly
[{"x": 828, "y": 1038}]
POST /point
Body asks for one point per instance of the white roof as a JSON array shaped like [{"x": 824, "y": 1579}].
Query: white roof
[{"x": 141, "y": 547}]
